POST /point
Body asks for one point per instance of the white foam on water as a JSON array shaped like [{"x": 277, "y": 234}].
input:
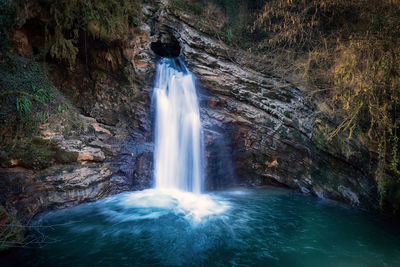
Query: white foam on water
[
  {"x": 155, "y": 203},
  {"x": 178, "y": 156}
]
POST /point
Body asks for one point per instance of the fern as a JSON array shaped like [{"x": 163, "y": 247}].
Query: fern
[
  {"x": 24, "y": 105},
  {"x": 26, "y": 96}
]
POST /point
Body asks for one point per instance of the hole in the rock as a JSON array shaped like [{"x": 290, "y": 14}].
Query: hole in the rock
[
  {"x": 170, "y": 49},
  {"x": 35, "y": 32}
]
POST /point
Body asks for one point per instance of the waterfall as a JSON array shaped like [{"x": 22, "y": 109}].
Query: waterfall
[{"x": 178, "y": 156}]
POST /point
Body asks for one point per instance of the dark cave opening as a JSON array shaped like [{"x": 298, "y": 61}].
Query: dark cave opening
[{"x": 166, "y": 49}]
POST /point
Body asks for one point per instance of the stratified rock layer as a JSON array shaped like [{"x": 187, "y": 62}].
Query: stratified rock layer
[
  {"x": 264, "y": 127},
  {"x": 259, "y": 128}
]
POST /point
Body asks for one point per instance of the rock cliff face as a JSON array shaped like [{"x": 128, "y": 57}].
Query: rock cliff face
[
  {"x": 109, "y": 149},
  {"x": 263, "y": 126},
  {"x": 259, "y": 128}
]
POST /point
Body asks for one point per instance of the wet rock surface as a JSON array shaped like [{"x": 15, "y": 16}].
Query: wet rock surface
[
  {"x": 258, "y": 128},
  {"x": 108, "y": 151},
  {"x": 263, "y": 127},
  {"x": 100, "y": 161}
]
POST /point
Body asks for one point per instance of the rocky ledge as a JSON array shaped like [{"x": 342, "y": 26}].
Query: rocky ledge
[
  {"x": 259, "y": 128},
  {"x": 57, "y": 171},
  {"x": 263, "y": 126}
]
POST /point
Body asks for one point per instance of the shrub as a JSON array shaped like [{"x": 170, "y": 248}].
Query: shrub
[
  {"x": 228, "y": 20},
  {"x": 24, "y": 82},
  {"x": 27, "y": 97},
  {"x": 349, "y": 50},
  {"x": 99, "y": 19}
]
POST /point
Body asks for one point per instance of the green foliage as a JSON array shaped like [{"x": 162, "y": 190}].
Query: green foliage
[
  {"x": 37, "y": 155},
  {"x": 100, "y": 19},
  {"x": 7, "y": 21},
  {"x": 282, "y": 132},
  {"x": 302, "y": 24},
  {"x": 195, "y": 7},
  {"x": 349, "y": 50},
  {"x": 367, "y": 87},
  {"x": 24, "y": 82},
  {"x": 24, "y": 105},
  {"x": 229, "y": 35},
  {"x": 319, "y": 138},
  {"x": 24, "y": 74},
  {"x": 63, "y": 49},
  {"x": 40, "y": 154},
  {"x": 229, "y": 20},
  {"x": 27, "y": 98}
]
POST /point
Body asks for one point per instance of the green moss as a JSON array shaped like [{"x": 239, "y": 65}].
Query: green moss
[
  {"x": 282, "y": 132},
  {"x": 104, "y": 20},
  {"x": 62, "y": 156},
  {"x": 322, "y": 128},
  {"x": 298, "y": 136},
  {"x": 99, "y": 31},
  {"x": 270, "y": 123},
  {"x": 322, "y": 175},
  {"x": 27, "y": 96},
  {"x": 40, "y": 154},
  {"x": 278, "y": 96},
  {"x": 229, "y": 35},
  {"x": 27, "y": 100},
  {"x": 252, "y": 87},
  {"x": 287, "y": 114},
  {"x": 194, "y": 7},
  {"x": 229, "y": 20},
  {"x": 319, "y": 137},
  {"x": 36, "y": 155}
]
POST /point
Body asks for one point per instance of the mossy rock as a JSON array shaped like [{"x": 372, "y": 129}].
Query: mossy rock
[
  {"x": 41, "y": 154},
  {"x": 98, "y": 31},
  {"x": 62, "y": 156},
  {"x": 286, "y": 98},
  {"x": 319, "y": 137},
  {"x": 298, "y": 136},
  {"x": 36, "y": 155},
  {"x": 12, "y": 232},
  {"x": 287, "y": 114}
]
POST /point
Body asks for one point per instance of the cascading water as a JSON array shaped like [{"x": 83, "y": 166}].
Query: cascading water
[
  {"x": 178, "y": 135},
  {"x": 170, "y": 227}
]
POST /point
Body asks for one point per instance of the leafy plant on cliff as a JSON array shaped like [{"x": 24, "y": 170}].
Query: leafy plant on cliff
[
  {"x": 228, "y": 20},
  {"x": 25, "y": 82},
  {"x": 27, "y": 99},
  {"x": 71, "y": 22},
  {"x": 303, "y": 24},
  {"x": 349, "y": 51}
]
